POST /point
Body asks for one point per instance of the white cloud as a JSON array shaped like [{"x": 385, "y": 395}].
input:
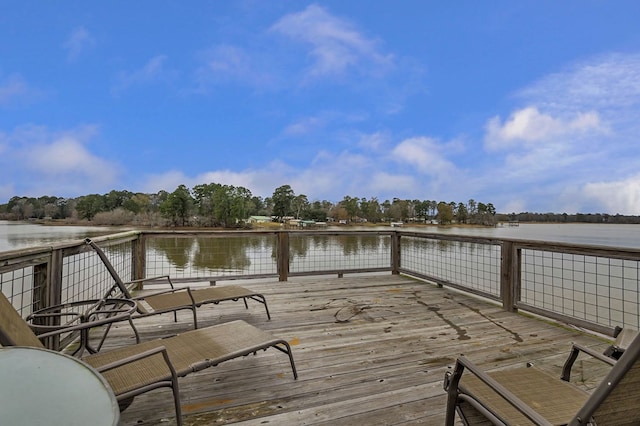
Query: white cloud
[
  {"x": 350, "y": 173},
  {"x": 530, "y": 125},
  {"x": 260, "y": 181},
  {"x": 425, "y": 154},
  {"x": 64, "y": 162},
  {"x": 336, "y": 45},
  {"x": 67, "y": 154},
  {"x": 78, "y": 42},
  {"x": 574, "y": 125},
  {"x": 622, "y": 196}
]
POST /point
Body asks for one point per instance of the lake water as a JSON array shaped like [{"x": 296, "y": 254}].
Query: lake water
[
  {"x": 16, "y": 235},
  {"x": 545, "y": 283},
  {"x": 577, "y": 233}
]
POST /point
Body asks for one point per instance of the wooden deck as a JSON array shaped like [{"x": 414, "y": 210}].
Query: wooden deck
[{"x": 370, "y": 350}]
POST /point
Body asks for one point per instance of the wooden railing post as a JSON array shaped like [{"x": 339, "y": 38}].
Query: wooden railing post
[
  {"x": 509, "y": 276},
  {"x": 47, "y": 291},
  {"x": 395, "y": 253},
  {"x": 139, "y": 258},
  {"x": 283, "y": 256}
]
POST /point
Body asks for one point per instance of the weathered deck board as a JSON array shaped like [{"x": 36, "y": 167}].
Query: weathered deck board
[{"x": 382, "y": 366}]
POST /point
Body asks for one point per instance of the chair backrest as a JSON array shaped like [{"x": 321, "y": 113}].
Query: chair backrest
[
  {"x": 615, "y": 400},
  {"x": 118, "y": 283},
  {"x": 14, "y": 330}
]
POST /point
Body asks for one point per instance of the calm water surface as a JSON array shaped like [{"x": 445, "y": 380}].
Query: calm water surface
[
  {"x": 577, "y": 233},
  {"x": 16, "y": 235}
]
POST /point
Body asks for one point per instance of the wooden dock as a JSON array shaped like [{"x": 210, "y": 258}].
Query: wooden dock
[{"x": 370, "y": 350}]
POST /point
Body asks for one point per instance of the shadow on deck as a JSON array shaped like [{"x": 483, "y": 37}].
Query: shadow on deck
[{"x": 369, "y": 350}]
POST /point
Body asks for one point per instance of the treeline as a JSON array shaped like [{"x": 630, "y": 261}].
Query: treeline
[
  {"x": 570, "y": 218},
  {"x": 217, "y": 205}
]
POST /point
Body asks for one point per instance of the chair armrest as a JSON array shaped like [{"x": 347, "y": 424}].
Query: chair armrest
[
  {"x": 138, "y": 357},
  {"x": 573, "y": 355},
  {"x": 169, "y": 291},
  {"x": 87, "y": 320},
  {"x": 143, "y": 280},
  {"x": 68, "y": 317},
  {"x": 452, "y": 382}
]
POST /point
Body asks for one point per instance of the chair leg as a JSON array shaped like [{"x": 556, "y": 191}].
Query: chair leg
[
  {"x": 287, "y": 350},
  {"x": 176, "y": 401},
  {"x": 195, "y": 318},
  {"x": 451, "y": 381},
  {"x": 261, "y": 299},
  {"x": 266, "y": 308}
]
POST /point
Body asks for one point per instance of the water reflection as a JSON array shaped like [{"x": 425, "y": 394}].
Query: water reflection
[
  {"x": 176, "y": 250},
  {"x": 214, "y": 255},
  {"x": 188, "y": 257},
  {"x": 223, "y": 253}
]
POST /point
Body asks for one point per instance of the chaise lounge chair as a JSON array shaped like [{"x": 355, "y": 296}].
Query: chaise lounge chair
[
  {"x": 176, "y": 299},
  {"x": 530, "y": 396},
  {"x": 139, "y": 368}
]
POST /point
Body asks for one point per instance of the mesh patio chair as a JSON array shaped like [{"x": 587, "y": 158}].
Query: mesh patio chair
[
  {"x": 525, "y": 396},
  {"x": 174, "y": 299},
  {"x": 141, "y": 367}
]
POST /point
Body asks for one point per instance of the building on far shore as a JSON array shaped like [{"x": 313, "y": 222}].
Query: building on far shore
[{"x": 260, "y": 219}]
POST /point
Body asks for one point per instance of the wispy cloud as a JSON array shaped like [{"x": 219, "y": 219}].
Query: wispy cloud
[
  {"x": 600, "y": 83},
  {"x": 303, "y": 126},
  {"x": 374, "y": 141},
  {"x": 336, "y": 46},
  {"x": 14, "y": 90},
  {"x": 227, "y": 63},
  {"x": 78, "y": 42},
  {"x": 153, "y": 71}
]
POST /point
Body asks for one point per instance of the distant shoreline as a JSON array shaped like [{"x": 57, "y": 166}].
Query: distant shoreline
[{"x": 276, "y": 225}]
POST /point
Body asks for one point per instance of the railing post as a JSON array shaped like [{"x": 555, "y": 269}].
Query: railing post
[
  {"x": 283, "y": 256},
  {"x": 47, "y": 291},
  {"x": 395, "y": 253},
  {"x": 139, "y": 258},
  {"x": 509, "y": 276},
  {"x": 41, "y": 286}
]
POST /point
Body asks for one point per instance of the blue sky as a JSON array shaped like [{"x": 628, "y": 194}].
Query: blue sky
[{"x": 529, "y": 105}]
